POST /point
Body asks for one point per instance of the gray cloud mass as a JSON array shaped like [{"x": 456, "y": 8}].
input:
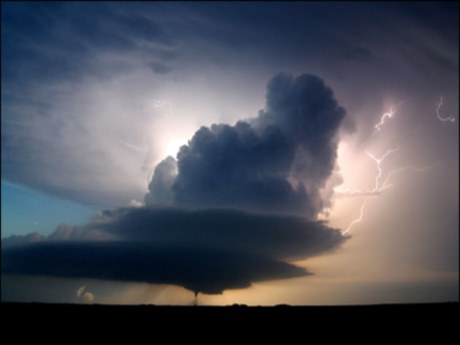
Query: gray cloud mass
[{"x": 277, "y": 162}]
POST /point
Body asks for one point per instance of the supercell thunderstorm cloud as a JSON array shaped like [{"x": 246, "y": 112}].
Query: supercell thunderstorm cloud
[
  {"x": 256, "y": 153},
  {"x": 238, "y": 198}
]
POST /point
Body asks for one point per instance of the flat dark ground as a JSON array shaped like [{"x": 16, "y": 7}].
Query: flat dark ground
[
  {"x": 419, "y": 317},
  {"x": 106, "y": 324}
]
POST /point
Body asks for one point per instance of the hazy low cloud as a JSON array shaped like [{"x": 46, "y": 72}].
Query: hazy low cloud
[
  {"x": 80, "y": 291},
  {"x": 87, "y": 296}
]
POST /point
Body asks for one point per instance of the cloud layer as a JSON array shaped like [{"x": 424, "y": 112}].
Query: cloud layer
[
  {"x": 65, "y": 109},
  {"x": 204, "y": 251}
]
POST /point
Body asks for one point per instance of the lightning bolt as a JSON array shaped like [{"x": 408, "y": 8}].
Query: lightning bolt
[
  {"x": 438, "y": 107},
  {"x": 378, "y": 186},
  {"x": 377, "y": 127},
  {"x": 376, "y": 190},
  {"x": 360, "y": 217},
  {"x": 386, "y": 184},
  {"x": 378, "y": 164},
  {"x": 388, "y": 115},
  {"x": 354, "y": 193}
]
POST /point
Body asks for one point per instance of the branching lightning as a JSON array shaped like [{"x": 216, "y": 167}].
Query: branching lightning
[
  {"x": 438, "y": 107},
  {"x": 378, "y": 164},
  {"x": 386, "y": 184},
  {"x": 376, "y": 190},
  {"x": 379, "y": 187}
]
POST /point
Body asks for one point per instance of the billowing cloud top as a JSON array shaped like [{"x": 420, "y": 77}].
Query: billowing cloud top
[{"x": 277, "y": 162}]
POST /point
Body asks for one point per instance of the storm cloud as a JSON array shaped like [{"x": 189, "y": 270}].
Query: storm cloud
[
  {"x": 204, "y": 251},
  {"x": 231, "y": 210},
  {"x": 277, "y": 162}
]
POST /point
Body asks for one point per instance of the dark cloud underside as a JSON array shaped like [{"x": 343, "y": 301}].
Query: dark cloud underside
[
  {"x": 199, "y": 270},
  {"x": 204, "y": 251}
]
